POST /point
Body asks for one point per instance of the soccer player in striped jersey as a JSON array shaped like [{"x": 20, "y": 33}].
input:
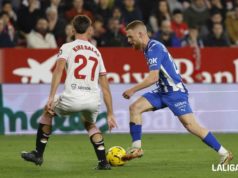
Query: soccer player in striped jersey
[{"x": 170, "y": 92}]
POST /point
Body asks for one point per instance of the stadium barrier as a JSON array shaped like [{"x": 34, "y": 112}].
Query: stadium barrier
[
  {"x": 215, "y": 105},
  {"x": 124, "y": 65},
  {"x": 215, "y": 108}
]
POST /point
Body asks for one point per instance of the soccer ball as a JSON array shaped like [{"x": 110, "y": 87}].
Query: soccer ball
[{"x": 115, "y": 154}]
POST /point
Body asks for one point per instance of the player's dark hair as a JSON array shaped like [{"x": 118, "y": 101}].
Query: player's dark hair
[
  {"x": 81, "y": 23},
  {"x": 134, "y": 24}
]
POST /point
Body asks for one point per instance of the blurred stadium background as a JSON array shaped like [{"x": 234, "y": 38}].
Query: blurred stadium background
[{"x": 202, "y": 36}]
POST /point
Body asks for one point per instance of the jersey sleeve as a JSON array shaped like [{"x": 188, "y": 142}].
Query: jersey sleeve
[
  {"x": 64, "y": 52},
  {"x": 102, "y": 69},
  {"x": 154, "y": 57}
]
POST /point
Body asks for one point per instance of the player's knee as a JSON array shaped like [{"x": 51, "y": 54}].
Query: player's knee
[
  {"x": 46, "y": 119},
  {"x": 97, "y": 137},
  {"x": 49, "y": 112},
  {"x": 135, "y": 108}
]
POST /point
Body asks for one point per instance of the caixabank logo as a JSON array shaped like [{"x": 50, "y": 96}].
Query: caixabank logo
[
  {"x": 36, "y": 72},
  {"x": 124, "y": 65},
  {"x": 15, "y": 122}
]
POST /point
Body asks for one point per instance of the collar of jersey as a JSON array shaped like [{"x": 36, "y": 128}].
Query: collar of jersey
[{"x": 148, "y": 45}]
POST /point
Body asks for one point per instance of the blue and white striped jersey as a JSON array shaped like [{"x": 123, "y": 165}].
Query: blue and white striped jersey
[{"x": 158, "y": 58}]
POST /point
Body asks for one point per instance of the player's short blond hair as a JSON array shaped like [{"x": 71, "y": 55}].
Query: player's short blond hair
[{"x": 134, "y": 24}]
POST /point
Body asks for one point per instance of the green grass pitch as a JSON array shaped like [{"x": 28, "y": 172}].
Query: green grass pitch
[{"x": 71, "y": 156}]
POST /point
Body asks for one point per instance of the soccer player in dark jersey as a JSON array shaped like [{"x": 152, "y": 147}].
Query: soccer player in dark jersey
[{"x": 170, "y": 92}]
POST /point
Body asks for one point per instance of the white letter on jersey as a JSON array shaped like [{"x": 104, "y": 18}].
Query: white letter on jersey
[{"x": 152, "y": 61}]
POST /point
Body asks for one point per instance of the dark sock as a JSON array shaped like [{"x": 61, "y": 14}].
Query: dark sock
[
  {"x": 99, "y": 150},
  {"x": 43, "y": 134},
  {"x": 135, "y": 131}
]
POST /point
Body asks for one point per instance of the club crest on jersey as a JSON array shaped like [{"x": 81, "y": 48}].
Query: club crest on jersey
[{"x": 152, "y": 61}]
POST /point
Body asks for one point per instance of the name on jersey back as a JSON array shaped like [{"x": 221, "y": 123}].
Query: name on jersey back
[{"x": 85, "y": 47}]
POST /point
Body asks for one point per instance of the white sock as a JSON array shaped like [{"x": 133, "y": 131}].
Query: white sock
[
  {"x": 136, "y": 144},
  {"x": 222, "y": 151}
]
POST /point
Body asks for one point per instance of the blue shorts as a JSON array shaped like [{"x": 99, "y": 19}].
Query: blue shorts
[{"x": 176, "y": 101}]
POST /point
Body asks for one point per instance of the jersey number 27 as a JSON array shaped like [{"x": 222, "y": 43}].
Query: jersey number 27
[{"x": 84, "y": 63}]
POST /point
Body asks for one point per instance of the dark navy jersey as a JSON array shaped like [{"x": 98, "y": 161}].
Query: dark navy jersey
[{"x": 158, "y": 58}]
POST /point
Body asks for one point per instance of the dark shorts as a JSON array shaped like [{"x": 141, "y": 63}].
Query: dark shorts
[{"x": 176, "y": 101}]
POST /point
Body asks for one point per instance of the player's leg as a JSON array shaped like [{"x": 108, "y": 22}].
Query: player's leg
[
  {"x": 148, "y": 102},
  {"x": 43, "y": 133},
  {"x": 189, "y": 122},
  {"x": 136, "y": 109},
  {"x": 97, "y": 141},
  {"x": 42, "y": 136},
  {"x": 179, "y": 104}
]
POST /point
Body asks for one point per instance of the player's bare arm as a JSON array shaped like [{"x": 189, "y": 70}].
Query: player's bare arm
[
  {"x": 57, "y": 74},
  {"x": 108, "y": 101},
  {"x": 81, "y": 92},
  {"x": 151, "y": 79}
]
